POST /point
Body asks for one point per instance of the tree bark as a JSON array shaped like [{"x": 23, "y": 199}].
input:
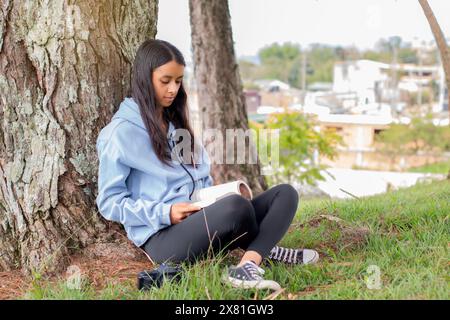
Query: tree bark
[
  {"x": 440, "y": 41},
  {"x": 220, "y": 93},
  {"x": 64, "y": 68}
]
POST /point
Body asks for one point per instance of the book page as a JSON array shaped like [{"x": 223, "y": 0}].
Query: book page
[{"x": 207, "y": 196}]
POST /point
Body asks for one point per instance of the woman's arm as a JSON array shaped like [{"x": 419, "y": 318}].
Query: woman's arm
[{"x": 113, "y": 200}]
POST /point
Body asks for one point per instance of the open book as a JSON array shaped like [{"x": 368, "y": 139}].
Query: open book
[{"x": 207, "y": 196}]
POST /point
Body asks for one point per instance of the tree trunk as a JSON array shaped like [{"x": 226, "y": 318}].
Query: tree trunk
[
  {"x": 63, "y": 70},
  {"x": 220, "y": 93},
  {"x": 440, "y": 41}
]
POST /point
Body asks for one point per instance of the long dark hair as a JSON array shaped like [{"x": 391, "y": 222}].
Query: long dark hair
[{"x": 151, "y": 55}]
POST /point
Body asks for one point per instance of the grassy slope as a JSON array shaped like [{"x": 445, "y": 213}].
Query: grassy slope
[
  {"x": 404, "y": 233},
  {"x": 440, "y": 167}
]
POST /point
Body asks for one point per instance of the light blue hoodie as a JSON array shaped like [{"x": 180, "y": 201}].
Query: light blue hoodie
[{"x": 134, "y": 187}]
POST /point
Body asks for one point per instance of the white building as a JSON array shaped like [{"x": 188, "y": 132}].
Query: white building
[
  {"x": 361, "y": 77},
  {"x": 370, "y": 82}
]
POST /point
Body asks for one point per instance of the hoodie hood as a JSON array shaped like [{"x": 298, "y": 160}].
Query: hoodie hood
[{"x": 129, "y": 110}]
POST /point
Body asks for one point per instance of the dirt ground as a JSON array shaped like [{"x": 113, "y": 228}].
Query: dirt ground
[{"x": 98, "y": 263}]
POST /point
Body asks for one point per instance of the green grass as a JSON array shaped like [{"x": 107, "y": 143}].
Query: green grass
[
  {"x": 404, "y": 233},
  {"x": 439, "y": 167}
]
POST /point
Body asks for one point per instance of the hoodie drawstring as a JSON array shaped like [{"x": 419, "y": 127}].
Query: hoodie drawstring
[{"x": 193, "y": 182}]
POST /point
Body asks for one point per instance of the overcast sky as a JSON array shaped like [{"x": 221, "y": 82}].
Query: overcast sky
[{"x": 257, "y": 23}]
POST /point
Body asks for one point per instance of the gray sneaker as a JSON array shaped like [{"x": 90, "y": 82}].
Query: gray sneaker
[
  {"x": 293, "y": 256},
  {"x": 247, "y": 276}
]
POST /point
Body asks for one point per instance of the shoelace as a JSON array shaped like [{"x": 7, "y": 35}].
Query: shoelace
[
  {"x": 254, "y": 270},
  {"x": 285, "y": 255}
]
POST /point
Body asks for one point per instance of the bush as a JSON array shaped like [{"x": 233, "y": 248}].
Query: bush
[{"x": 299, "y": 140}]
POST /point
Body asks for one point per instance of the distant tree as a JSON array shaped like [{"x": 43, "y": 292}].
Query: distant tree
[
  {"x": 284, "y": 62},
  {"x": 248, "y": 70},
  {"x": 285, "y": 52},
  {"x": 347, "y": 53},
  {"x": 281, "y": 62},
  {"x": 321, "y": 59},
  {"x": 394, "y": 142},
  {"x": 408, "y": 55},
  {"x": 420, "y": 135},
  {"x": 376, "y": 55},
  {"x": 425, "y": 136},
  {"x": 384, "y": 49}
]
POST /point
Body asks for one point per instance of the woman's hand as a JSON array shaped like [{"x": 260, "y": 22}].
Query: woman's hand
[{"x": 182, "y": 210}]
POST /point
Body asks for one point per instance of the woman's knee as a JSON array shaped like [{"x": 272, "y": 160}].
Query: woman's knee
[
  {"x": 289, "y": 191},
  {"x": 243, "y": 218},
  {"x": 241, "y": 208}
]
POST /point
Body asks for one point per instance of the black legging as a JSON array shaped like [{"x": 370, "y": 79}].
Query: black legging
[{"x": 229, "y": 223}]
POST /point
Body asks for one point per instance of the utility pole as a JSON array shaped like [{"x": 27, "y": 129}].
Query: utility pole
[
  {"x": 303, "y": 85},
  {"x": 394, "y": 68},
  {"x": 441, "y": 83},
  {"x": 419, "y": 92}
]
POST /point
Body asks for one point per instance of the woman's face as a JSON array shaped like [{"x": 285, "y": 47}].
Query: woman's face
[{"x": 166, "y": 82}]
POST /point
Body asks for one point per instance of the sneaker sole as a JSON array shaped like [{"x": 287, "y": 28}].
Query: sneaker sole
[{"x": 264, "y": 284}]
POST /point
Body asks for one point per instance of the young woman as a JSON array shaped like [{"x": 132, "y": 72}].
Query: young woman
[{"x": 150, "y": 194}]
